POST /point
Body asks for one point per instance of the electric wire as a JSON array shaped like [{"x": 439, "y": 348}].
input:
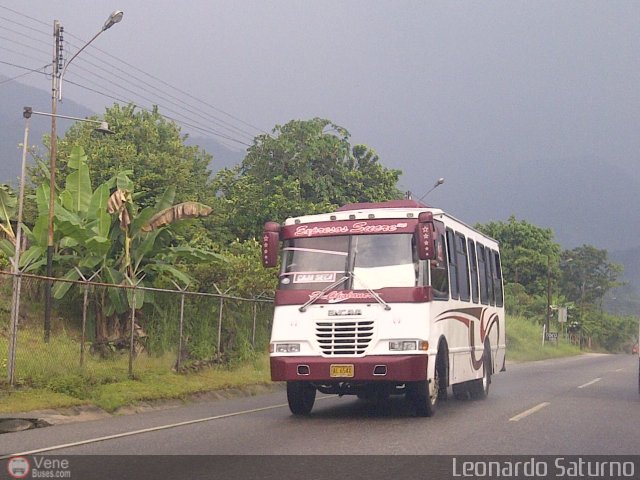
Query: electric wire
[
  {"x": 218, "y": 121},
  {"x": 192, "y": 110},
  {"x": 30, "y": 71},
  {"x": 208, "y": 118}
]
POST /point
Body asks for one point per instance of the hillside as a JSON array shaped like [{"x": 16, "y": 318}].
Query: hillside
[{"x": 15, "y": 96}]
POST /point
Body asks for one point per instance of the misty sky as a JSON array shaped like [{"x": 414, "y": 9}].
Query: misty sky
[{"x": 471, "y": 91}]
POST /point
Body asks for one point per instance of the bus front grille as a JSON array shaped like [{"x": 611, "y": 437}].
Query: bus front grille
[{"x": 345, "y": 337}]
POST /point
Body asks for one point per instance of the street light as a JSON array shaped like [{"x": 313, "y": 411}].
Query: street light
[
  {"x": 114, "y": 18},
  {"x": 15, "y": 267},
  {"x": 56, "y": 94},
  {"x": 439, "y": 182}
]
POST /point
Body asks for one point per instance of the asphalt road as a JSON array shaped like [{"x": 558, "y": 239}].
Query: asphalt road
[{"x": 587, "y": 405}]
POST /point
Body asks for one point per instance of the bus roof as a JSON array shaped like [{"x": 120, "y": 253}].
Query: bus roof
[{"x": 393, "y": 209}]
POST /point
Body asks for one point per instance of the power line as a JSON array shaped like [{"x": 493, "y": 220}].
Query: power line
[
  {"x": 24, "y": 15},
  {"x": 177, "y": 89},
  {"x": 182, "y": 104},
  {"x": 135, "y": 104},
  {"x": 30, "y": 70},
  {"x": 206, "y": 117},
  {"x": 25, "y": 26}
]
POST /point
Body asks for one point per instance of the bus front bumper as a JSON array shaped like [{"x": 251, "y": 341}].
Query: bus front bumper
[{"x": 384, "y": 368}]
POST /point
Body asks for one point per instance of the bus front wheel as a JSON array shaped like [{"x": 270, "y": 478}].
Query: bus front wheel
[
  {"x": 301, "y": 397},
  {"x": 424, "y": 395}
]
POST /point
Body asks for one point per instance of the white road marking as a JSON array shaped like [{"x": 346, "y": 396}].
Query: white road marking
[
  {"x": 595, "y": 380},
  {"x": 151, "y": 429},
  {"x": 531, "y": 411}
]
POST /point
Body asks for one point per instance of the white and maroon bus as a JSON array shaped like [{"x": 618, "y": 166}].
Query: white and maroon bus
[{"x": 377, "y": 299}]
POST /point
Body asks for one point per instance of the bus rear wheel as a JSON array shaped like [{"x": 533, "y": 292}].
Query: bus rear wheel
[
  {"x": 480, "y": 388},
  {"x": 301, "y": 397}
]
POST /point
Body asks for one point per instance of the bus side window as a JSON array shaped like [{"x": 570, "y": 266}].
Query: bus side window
[
  {"x": 473, "y": 264},
  {"x": 462, "y": 265},
  {"x": 491, "y": 273},
  {"x": 482, "y": 275},
  {"x": 453, "y": 271},
  {"x": 439, "y": 274},
  {"x": 497, "y": 278}
]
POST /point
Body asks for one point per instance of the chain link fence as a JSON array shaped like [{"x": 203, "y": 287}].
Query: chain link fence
[{"x": 94, "y": 333}]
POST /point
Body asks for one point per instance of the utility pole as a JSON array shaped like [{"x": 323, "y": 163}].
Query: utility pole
[
  {"x": 55, "y": 75},
  {"x": 546, "y": 322}
]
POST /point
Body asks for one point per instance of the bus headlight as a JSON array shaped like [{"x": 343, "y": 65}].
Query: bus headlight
[
  {"x": 287, "y": 348},
  {"x": 403, "y": 345}
]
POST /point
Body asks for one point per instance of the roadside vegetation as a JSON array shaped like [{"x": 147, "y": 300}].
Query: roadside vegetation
[
  {"x": 141, "y": 208},
  {"x": 105, "y": 383}
]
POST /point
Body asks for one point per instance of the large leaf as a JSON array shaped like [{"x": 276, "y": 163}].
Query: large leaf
[
  {"x": 135, "y": 298},
  {"x": 79, "y": 187},
  {"x": 41, "y": 230},
  {"x": 175, "y": 213},
  {"x": 60, "y": 289},
  {"x": 98, "y": 208},
  {"x": 117, "y": 299},
  {"x": 33, "y": 257},
  {"x": 7, "y": 209},
  {"x": 167, "y": 198},
  {"x": 98, "y": 245},
  {"x": 142, "y": 219},
  {"x": 171, "y": 271},
  {"x": 143, "y": 248},
  {"x": 123, "y": 182},
  {"x": 7, "y": 248}
]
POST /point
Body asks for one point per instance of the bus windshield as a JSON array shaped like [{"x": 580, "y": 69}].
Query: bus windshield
[{"x": 371, "y": 262}]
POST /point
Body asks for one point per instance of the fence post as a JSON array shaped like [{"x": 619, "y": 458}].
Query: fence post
[
  {"x": 13, "y": 335},
  {"x": 255, "y": 314},
  {"x": 132, "y": 326},
  {"x": 218, "y": 353},
  {"x": 133, "y": 321},
  {"x": 85, "y": 301},
  {"x": 180, "y": 345}
]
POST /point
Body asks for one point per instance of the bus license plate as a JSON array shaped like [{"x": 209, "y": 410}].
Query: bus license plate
[{"x": 341, "y": 370}]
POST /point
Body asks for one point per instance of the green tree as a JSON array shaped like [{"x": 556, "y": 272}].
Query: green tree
[
  {"x": 144, "y": 142},
  {"x": 306, "y": 166},
  {"x": 587, "y": 275},
  {"x": 529, "y": 253}
]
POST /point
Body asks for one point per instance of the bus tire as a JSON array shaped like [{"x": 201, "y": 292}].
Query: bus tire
[
  {"x": 424, "y": 395},
  {"x": 301, "y": 397},
  {"x": 480, "y": 388},
  {"x": 460, "y": 391}
]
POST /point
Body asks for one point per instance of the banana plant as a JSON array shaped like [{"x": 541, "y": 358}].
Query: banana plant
[
  {"x": 103, "y": 231},
  {"x": 8, "y": 203}
]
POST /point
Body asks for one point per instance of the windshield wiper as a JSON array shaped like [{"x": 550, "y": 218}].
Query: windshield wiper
[
  {"x": 373, "y": 294},
  {"x": 303, "y": 308}
]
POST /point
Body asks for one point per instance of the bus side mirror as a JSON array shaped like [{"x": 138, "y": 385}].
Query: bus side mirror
[
  {"x": 425, "y": 236},
  {"x": 270, "y": 244}
]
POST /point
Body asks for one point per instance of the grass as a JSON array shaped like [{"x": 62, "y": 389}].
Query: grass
[
  {"x": 49, "y": 376},
  {"x": 524, "y": 343},
  {"x": 112, "y": 392}
]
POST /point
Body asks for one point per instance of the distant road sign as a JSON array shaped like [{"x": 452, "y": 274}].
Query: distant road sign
[
  {"x": 552, "y": 336},
  {"x": 562, "y": 314}
]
